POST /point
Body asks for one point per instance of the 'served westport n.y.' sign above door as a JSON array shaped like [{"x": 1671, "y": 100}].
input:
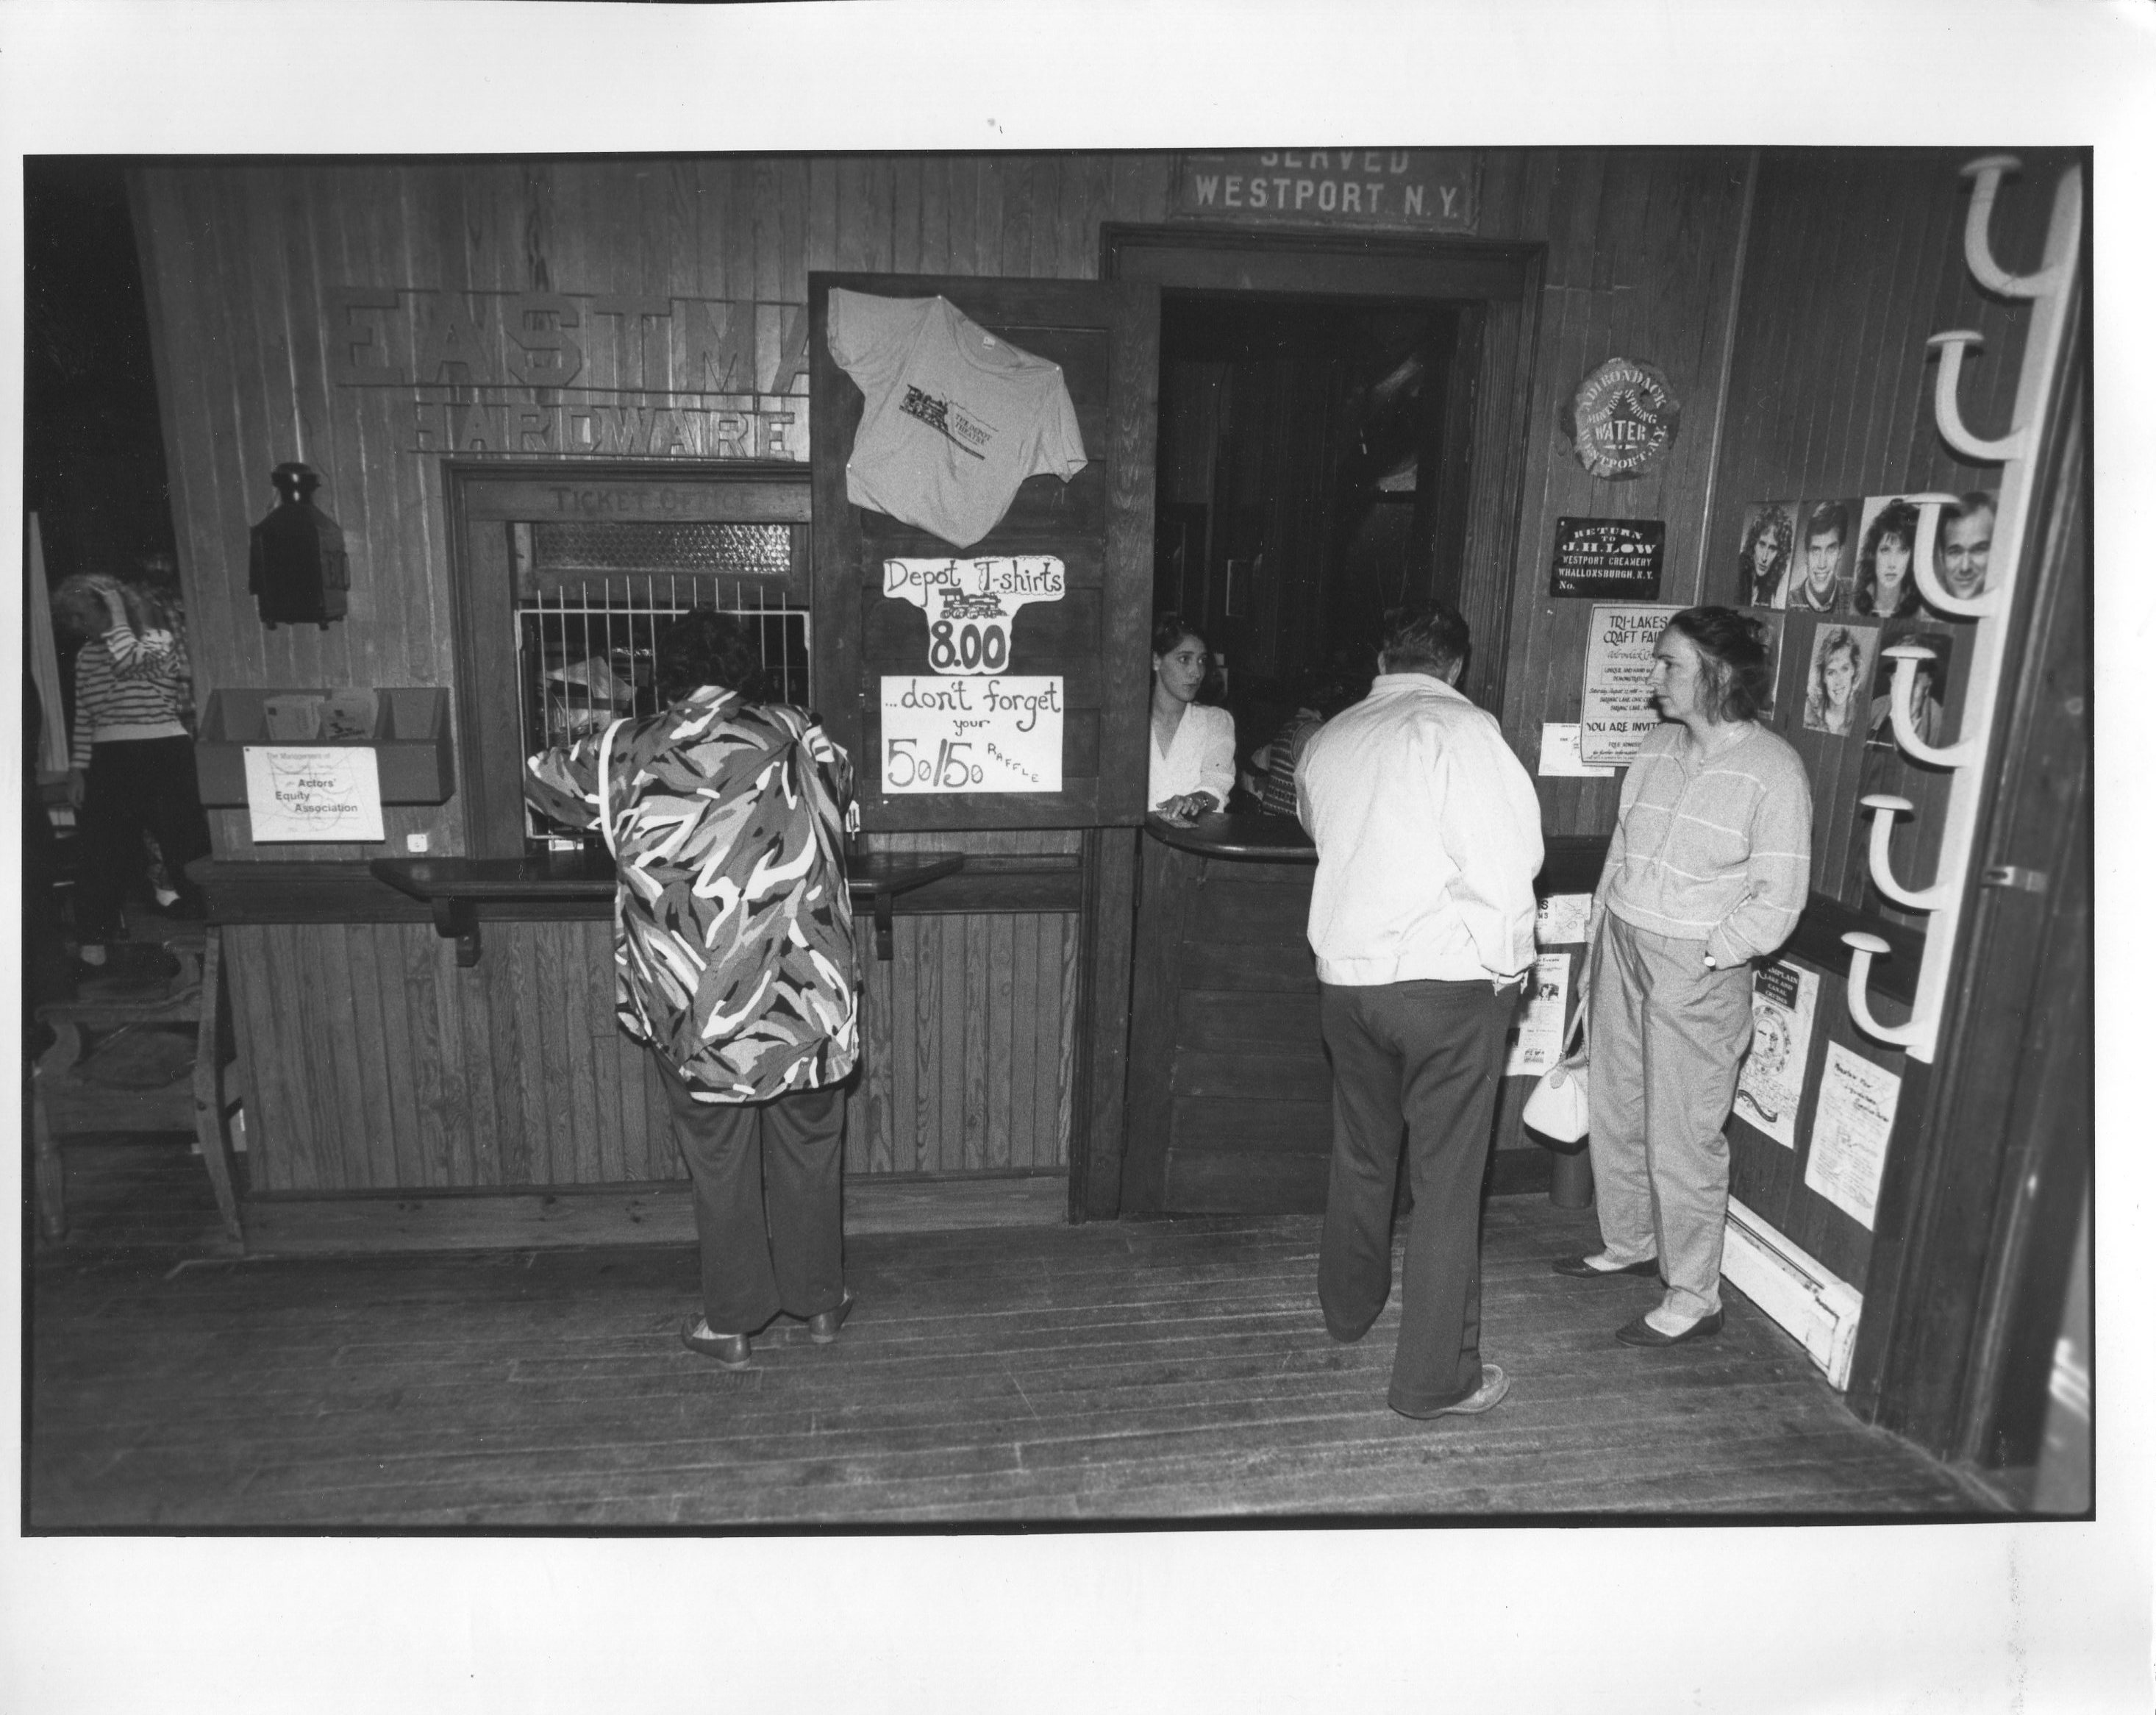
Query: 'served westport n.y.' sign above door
[
  {"x": 1411, "y": 190},
  {"x": 604, "y": 374}
]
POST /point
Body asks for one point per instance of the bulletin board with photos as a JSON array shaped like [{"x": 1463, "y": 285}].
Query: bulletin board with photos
[{"x": 1832, "y": 578}]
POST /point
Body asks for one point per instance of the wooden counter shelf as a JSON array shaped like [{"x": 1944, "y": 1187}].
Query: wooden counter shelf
[
  {"x": 453, "y": 888},
  {"x": 1231, "y": 1101}
]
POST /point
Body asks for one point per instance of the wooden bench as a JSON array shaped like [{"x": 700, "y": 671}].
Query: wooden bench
[{"x": 66, "y": 1102}]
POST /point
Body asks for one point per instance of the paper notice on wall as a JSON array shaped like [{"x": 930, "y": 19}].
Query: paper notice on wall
[
  {"x": 1536, "y": 1041},
  {"x": 1614, "y": 713},
  {"x": 1562, "y": 919},
  {"x": 320, "y": 795},
  {"x": 972, "y": 604},
  {"x": 971, "y": 735},
  {"x": 1849, "y": 1130},
  {"x": 1560, "y": 753},
  {"x": 1772, "y": 1079}
]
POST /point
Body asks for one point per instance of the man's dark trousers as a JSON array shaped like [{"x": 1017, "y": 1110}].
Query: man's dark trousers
[
  {"x": 1427, "y": 1056},
  {"x": 769, "y": 1217}
]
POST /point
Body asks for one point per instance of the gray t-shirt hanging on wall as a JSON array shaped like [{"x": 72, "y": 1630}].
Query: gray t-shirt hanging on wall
[{"x": 956, "y": 419}]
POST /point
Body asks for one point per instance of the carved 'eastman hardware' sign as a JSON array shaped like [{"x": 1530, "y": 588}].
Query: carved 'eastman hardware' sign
[
  {"x": 599, "y": 374},
  {"x": 1407, "y": 190}
]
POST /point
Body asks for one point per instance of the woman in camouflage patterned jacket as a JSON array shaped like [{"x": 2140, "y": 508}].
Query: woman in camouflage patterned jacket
[{"x": 734, "y": 962}]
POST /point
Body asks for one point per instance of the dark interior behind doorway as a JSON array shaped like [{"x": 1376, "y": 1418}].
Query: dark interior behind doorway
[{"x": 1305, "y": 483}]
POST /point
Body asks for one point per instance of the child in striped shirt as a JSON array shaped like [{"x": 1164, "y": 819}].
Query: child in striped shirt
[{"x": 133, "y": 761}]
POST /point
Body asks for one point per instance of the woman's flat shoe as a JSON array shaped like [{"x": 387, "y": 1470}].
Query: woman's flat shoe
[
  {"x": 1640, "y": 1331},
  {"x": 1578, "y": 1268},
  {"x": 730, "y": 1350},
  {"x": 823, "y": 1327}
]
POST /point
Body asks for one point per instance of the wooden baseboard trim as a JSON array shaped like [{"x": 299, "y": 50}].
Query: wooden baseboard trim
[{"x": 624, "y": 1214}]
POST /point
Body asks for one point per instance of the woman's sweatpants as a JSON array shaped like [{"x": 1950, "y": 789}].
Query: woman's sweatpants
[
  {"x": 769, "y": 1209},
  {"x": 1665, "y": 1035}
]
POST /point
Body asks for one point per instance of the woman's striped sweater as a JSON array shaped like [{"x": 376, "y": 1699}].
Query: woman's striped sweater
[{"x": 130, "y": 685}]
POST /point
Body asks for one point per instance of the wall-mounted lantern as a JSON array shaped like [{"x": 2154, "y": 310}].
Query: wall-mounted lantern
[{"x": 297, "y": 570}]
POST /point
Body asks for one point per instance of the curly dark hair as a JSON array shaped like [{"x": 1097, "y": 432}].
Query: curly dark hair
[
  {"x": 1897, "y": 518},
  {"x": 703, "y": 647},
  {"x": 1170, "y": 628},
  {"x": 1732, "y": 649},
  {"x": 1425, "y": 639},
  {"x": 1769, "y": 520}
]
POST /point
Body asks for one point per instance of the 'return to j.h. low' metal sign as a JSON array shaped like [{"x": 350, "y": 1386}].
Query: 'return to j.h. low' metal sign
[{"x": 1409, "y": 190}]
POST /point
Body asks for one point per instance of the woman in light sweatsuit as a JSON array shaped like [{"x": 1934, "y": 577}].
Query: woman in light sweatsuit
[{"x": 1708, "y": 871}]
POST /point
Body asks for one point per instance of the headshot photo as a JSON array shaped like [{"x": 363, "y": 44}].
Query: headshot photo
[
  {"x": 1962, "y": 553},
  {"x": 1762, "y": 562},
  {"x": 1842, "y": 657},
  {"x": 1826, "y": 546},
  {"x": 1927, "y": 703},
  {"x": 1886, "y": 583}
]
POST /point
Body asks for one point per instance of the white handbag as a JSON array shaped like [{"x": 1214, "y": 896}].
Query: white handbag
[{"x": 1556, "y": 1107}]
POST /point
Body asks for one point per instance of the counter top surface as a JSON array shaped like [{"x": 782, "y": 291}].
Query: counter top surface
[
  {"x": 1246, "y": 835},
  {"x": 570, "y": 874}
]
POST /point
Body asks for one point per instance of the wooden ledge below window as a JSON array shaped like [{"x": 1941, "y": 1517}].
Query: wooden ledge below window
[{"x": 454, "y": 889}]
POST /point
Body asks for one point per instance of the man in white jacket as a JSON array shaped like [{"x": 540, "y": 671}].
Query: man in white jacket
[{"x": 1422, "y": 918}]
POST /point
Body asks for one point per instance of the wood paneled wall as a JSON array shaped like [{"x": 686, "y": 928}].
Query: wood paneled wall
[
  {"x": 1642, "y": 254},
  {"x": 1643, "y": 263},
  {"x": 1855, "y": 261},
  {"x": 373, "y": 1062},
  {"x": 241, "y": 260}
]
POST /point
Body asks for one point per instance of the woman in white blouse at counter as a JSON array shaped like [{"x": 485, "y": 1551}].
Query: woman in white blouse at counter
[{"x": 1192, "y": 753}]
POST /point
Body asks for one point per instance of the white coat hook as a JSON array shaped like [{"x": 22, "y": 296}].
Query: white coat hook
[
  {"x": 1927, "y": 578},
  {"x": 1908, "y": 659},
  {"x": 1884, "y": 808},
  {"x": 1863, "y": 949},
  {"x": 1976, "y": 233},
  {"x": 1945, "y": 402}
]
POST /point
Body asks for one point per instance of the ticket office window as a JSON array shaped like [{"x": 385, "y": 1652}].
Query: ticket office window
[{"x": 565, "y": 583}]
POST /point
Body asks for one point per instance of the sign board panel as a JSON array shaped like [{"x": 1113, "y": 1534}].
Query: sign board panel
[
  {"x": 1410, "y": 190},
  {"x": 1622, "y": 420},
  {"x": 1614, "y": 713},
  {"x": 1849, "y": 1133},
  {"x": 1612, "y": 559},
  {"x": 963, "y": 734},
  {"x": 972, "y": 604},
  {"x": 318, "y": 794}
]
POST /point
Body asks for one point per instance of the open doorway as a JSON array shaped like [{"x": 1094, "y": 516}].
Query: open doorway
[{"x": 1306, "y": 482}]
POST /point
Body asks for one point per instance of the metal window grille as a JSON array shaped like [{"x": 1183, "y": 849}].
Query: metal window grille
[{"x": 592, "y": 600}]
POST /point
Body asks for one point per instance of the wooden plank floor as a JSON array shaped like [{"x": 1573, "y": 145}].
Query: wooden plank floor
[{"x": 1124, "y": 1371}]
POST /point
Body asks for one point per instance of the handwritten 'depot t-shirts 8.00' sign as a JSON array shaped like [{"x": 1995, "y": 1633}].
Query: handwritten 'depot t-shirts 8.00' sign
[
  {"x": 1614, "y": 710},
  {"x": 973, "y": 727},
  {"x": 971, "y": 604}
]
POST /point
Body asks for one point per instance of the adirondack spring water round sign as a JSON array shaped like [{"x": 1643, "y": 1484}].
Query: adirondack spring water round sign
[{"x": 1622, "y": 419}]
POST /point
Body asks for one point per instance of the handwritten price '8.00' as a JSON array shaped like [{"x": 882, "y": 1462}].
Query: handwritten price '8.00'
[
  {"x": 950, "y": 771},
  {"x": 971, "y": 648}
]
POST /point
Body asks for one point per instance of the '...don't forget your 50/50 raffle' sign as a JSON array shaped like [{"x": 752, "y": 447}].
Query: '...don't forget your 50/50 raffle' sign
[{"x": 951, "y": 734}]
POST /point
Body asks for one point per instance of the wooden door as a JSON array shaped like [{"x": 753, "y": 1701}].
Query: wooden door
[{"x": 1095, "y": 639}]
